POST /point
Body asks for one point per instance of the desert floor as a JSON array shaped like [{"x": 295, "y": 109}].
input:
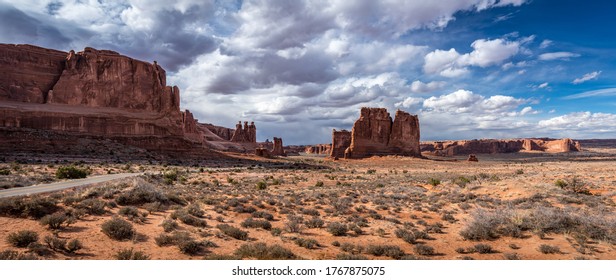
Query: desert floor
[{"x": 506, "y": 206}]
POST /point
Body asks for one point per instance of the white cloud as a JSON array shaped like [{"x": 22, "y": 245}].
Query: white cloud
[
  {"x": 465, "y": 101},
  {"x": 544, "y": 85},
  {"x": 485, "y": 53},
  {"x": 410, "y": 102},
  {"x": 593, "y": 93},
  {"x": 421, "y": 87},
  {"x": 557, "y": 55},
  {"x": 587, "y": 77},
  {"x": 545, "y": 43},
  {"x": 583, "y": 123}
]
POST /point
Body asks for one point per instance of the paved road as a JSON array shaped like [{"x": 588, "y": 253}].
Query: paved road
[{"x": 43, "y": 188}]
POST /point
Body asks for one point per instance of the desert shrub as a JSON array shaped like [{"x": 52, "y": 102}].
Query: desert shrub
[
  {"x": 434, "y": 182},
  {"x": 262, "y": 251},
  {"x": 71, "y": 172},
  {"x": 36, "y": 207},
  {"x": 406, "y": 235},
  {"x": 191, "y": 247},
  {"x": 39, "y": 249},
  {"x": 511, "y": 256},
  {"x": 132, "y": 213},
  {"x": 482, "y": 248},
  {"x": 261, "y": 185},
  {"x": 307, "y": 243},
  {"x": 315, "y": 222},
  {"x": 461, "y": 181},
  {"x": 14, "y": 255},
  {"x": 348, "y": 257},
  {"x": 170, "y": 176},
  {"x": 93, "y": 206},
  {"x": 391, "y": 251},
  {"x": 221, "y": 257},
  {"x": 311, "y": 212},
  {"x": 424, "y": 250},
  {"x": 118, "y": 229},
  {"x": 188, "y": 219},
  {"x": 448, "y": 217},
  {"x": 276, "y": 231},
  {"x": 164, "y": 240},
  {"x": 131, "y": 254},
  {"x": 244, "y": 209},
  {"x": 153, "y": 206},
  {"x": 4, "y": 171},
  {"x": 169, "y": 225},
  {"x": 54, "y": 221},
  {"x": 489, "y": 225},
  {"x": 55, "y": 243},
  {"x": 319, "y": 184},
  {"x": 548, "y": 249},
  {"x": 195, "y": 210},
  {"x": 22, "y": 238},
  {"x": 142, "y": 193},
  {"x": 233, "y": 231},
  {"x": 263, "y": 214},
  {"x": 252, "y": 223},
  {"x": 294, "y": 224},
  {"x": 337, "y": 229},
  {"x": 74, "y": 245}
]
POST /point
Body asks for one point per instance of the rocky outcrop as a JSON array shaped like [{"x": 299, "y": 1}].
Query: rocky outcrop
[
  {"x": 99, "y": 94},
  {"x": 341, "y": 140},
  {"x": 278, "y": 150},
  {"x": 222, "y": 133},
  {"x": 246, "y": 134},
  {"x": 28, "y": 73},
  {"x": 319, "y": 149},
  {"x": 262, "y": 152},
  {"x": 472, "y": 157},
  {"x": 496, "y": 146},
  {"x": 374, "y": 133}
]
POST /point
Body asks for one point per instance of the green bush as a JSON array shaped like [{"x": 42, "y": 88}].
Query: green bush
[
  {"x": 434, "y": 182},
  {"x": 118, "y": 229},
  {"x": 71, "y": 172},
  {"x": 22, "y": 238},
  {"x": 261, "y": 185},
  {"x": 233, "y": 231}
]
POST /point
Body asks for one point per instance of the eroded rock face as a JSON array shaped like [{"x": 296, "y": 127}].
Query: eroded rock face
[
  {"x": 374, "y": 133},
  {"x": 28, "y": 73},
  {"x": 341, "y": 140},
  {"x": 246, "y": 134},
  {"x": 278, "y": 150},
  {"x": 496, "y": 146},
  {"x": 319, "y": 149},
  {"x": 100, "y": 94},
  {"x": 262, "y": 152}
]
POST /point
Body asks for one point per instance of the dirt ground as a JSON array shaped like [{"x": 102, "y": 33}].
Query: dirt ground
[{"x": 506, "y": 206}]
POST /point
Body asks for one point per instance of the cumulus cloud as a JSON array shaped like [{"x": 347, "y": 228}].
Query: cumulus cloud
[
  {"x": 421, "y": 87},
  {"x": 581, "y": 124},
  {"x": 557, "y": 55},
  {"x": 485, "y": 53},
  {"x": 465, "y": 101},
  {"x": 587, "y": 77},
  {"x": 410, "y": 102}
]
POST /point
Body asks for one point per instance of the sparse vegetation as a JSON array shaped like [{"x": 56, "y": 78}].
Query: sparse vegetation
[
  {"x": 262, "y": 251},
  {"x": 22, "y": 238},
  {"x": 233, "y": 231},
  {"x": 118, "y": 229},
  {"x": 131, "y": 254},
  {"x": 71, "y": 172}
]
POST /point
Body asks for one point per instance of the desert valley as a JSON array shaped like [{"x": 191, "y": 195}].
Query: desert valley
[{"x": 204, "y": 191}]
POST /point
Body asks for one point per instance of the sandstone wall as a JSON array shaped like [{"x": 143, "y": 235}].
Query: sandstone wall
[
  {"x": 495, "y": 146},
  {"x": 341, "y": 140},
  {"x": 278, "y": 150},
  {"x": 319, "y": 149}
]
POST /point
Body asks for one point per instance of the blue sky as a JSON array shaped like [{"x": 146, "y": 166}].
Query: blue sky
[{"x": 469, "y": 68}]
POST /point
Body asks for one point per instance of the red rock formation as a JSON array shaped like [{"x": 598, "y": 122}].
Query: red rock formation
[
  {"x": 27, "y": 73},
  {"x": 223, "y": 133},
  {"x": 278, "y": 150},
  {"x": 262, "y": 152},
  {"x": 99, "y": 94},
  {"x": 374, "y": 133},
  {"x": 319, "y": 149},
  {"x": 495, "y": 146},
  {"x": 246, "y": 134},
  {"x": 341, "y": 140}
]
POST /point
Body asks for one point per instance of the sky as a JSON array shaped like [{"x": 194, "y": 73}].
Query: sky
[{"x": 470, "y": 69}]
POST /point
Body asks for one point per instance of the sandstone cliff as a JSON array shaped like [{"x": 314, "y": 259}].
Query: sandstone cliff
[
  {"x": 341, "y": 140},
  {"x": 97, "y": 93},
  {"x": 494, "y": 146},
  {"x": 319, "y": 149},
  {"x": 278, "y": 149},
  {"x": 374, "y": 133}
]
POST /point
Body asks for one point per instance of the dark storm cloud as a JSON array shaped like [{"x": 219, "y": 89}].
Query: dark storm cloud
[{"x": 18, "y": 27}]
